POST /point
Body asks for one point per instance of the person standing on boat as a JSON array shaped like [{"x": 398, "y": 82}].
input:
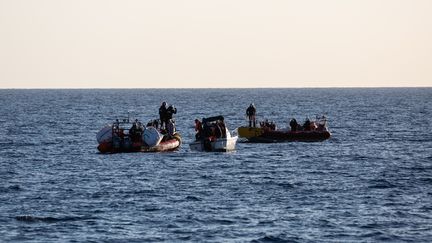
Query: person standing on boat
[
  {"x": 170, "y": 128},
  {"x": 163, "y": 115},
  {"x": 170, "y": 112},
  {"x": 250, "y": 112}
]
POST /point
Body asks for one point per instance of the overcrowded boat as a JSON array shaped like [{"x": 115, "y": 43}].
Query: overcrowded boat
[
  {"x": 311, "y": 131},
  {"x": 212, "y": 135}
]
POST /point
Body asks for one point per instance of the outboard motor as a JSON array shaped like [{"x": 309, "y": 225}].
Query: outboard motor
[
  {"x": 116, "y": 142},
  {"x": 127, "y": 143}
]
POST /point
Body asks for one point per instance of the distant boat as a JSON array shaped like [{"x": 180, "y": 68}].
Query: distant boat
[
  {"x": 125, "y": 136},
  {"x": 316, "y": 131},
  {"x": 214, "y": 137}
]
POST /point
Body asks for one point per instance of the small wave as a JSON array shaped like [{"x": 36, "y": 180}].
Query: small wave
[
  {"x": 221, "y": 221},
  {"x": 192, "y": 198},
  {"x": 286, "y": 185},
  {"x": 381, "y": 184},
  {"x": 10, "y": 188},
  {"x": 31, "y": 219},
  {"x": 426, "y": 180},
  {"x": 266, "y": 223},
  {"x": 151, "y": 209},
  {"x": 270, "y": 238},
  {"x": 372, "y": 234}
]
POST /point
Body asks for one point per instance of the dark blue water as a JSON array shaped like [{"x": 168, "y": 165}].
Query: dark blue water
[{"x": 371, "y": 182}]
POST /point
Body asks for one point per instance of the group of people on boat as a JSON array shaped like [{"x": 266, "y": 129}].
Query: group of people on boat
[
  {"x": 268, "y": 125},
  {"x": 135, "y": 132},
  {"x": 211, "y": 132},
  {"x": 210, "y": 129},
  {"x": 308, "y": 125},
  {"x": 166, "y": 115},
  {"x": 165, "y": 124}
]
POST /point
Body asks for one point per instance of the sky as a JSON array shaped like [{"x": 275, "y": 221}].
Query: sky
[{"x": 215, "y": 44}]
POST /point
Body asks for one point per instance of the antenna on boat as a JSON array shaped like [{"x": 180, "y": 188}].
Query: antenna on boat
[{"x": 129, "y": 111}]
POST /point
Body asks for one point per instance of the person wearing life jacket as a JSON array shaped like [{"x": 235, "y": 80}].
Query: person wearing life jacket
[
  {"x": 250, "y": 112},
  {"x": 163, "y": 115},
  {"x": 198, "y": 129}
]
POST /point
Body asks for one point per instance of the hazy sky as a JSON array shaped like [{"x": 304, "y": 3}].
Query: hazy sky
[{"x": 199, "y": 43}]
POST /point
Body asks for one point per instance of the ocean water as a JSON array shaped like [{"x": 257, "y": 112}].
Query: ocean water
[{"x": 371, "y": 182}]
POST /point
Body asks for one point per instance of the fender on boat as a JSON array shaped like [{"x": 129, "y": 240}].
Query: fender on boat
[{"x": 105, "y": 147}]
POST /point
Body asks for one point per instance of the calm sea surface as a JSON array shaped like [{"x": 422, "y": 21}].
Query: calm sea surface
[{"x": 371, "y": 182}]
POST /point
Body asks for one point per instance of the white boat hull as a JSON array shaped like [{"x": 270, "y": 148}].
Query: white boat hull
[{"x": 220, "y": 145}]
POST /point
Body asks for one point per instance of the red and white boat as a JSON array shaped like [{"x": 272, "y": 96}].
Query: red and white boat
[{"x": 124, "y": 137}]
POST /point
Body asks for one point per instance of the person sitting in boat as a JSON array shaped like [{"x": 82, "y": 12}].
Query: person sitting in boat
[
  {"x": 271, "y": 125},
  {"x": 222, "y": 127},
  {"x": 307, "y": 125},
  {"x": 163, "y": 114},
  {"x": 251, "y": 112},
  {"x": 207, "y": 130},
  {"x": 198, "y": 129},
  {"x": 116, "y": 124},
  {"x": 135, "y": 132},
  {"x": 322, "y": 124},
  {"x": 153, "y": 123},
  {"x": 313, "y": 126},
  {"x": 217, "y": 130},
  {"x": 212, "y": 133},
  {"x": 263, "y": 124},
  {"x": 293, "y": 124}
]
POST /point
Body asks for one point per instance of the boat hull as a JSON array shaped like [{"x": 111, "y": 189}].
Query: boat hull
[
  {"x": 164, "y": 146},
  {"x": 219, "y": 145},
  {"x": 259, "y": 135}
]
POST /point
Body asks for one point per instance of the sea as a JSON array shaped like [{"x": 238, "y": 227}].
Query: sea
[{"x": 370, "y": 182}]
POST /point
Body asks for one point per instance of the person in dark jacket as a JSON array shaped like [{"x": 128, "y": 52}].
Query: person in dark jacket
[
  {"x": 307, "y": 125},
  {"x": 163, "y": 114},
  {"x": 198, "y": 129},
  {"x": 170, "y": 111},
  {"x": 250, "y": 112},
  {"x": 293, "y": 124}
]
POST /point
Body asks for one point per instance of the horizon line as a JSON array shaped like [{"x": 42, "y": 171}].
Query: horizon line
[{"x": 126, "y": 88}]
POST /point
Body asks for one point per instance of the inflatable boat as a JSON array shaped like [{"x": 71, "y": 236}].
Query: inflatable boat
[
  {"x": 117, "y": 138},
  {"x": 213, "y": 136},
  {"x": 260, "y": 135},
  {"x": 314, "y": 132}
]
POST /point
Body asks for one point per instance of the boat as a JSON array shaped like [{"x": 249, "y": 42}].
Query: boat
[
  {"x": 314, "y": 132},
  {"x": 213, "y": 136},
  {"x": 126, "y": 136}
]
